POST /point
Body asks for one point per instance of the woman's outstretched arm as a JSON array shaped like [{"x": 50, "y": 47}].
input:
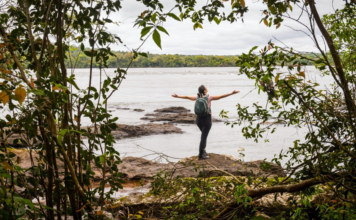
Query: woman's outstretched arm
[
  {"x": 193, "y": 98},
  {"x": 217, "y": 97}
]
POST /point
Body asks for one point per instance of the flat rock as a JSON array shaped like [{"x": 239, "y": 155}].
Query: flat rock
[
  {"x": 181, "y": 118},
  {"x": 173, "y": 110},
  {"x": 138, "y": 110},
  {"x": 127, "y": 131},
  {"x": 134, "y": 168}
]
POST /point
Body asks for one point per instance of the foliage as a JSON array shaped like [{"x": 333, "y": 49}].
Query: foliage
[
  {"x": 46, "y": 109},
  {"x": 123, "y": 59},
  {"x": 340, "y": 26},
  {"x": 76, "y": 59},
  {"x": 327, "y": 153}
]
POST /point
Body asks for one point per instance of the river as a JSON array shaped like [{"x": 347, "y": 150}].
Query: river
[{"x": 151, "y": 88}]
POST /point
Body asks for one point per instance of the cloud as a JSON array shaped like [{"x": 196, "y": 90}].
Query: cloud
[{"x": 223, "y": 39}]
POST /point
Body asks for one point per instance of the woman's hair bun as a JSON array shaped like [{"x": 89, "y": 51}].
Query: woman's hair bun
[{"x": 201, "y": 90}]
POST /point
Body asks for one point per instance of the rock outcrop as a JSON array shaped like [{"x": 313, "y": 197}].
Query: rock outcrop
[
  {"x": 134, "y": 168},
  {"x": 183, "y": 118},
  {"x": 173, "y": 110},
  {"x": 178, "y": 115},
  {"x": 128, "y": 131},
  {"x": 125, "y": 131}
]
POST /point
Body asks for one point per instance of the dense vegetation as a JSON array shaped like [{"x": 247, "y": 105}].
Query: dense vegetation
[
  {"x": 153, "y": 60},
  {"x": 46, "y": 113},
  {"x": 77, "y": 59}
]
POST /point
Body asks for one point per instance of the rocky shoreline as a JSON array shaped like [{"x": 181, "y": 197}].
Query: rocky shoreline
[
  {"x": 218, "y": 169},
  {"x": 139, "y": 173},
  {"x": 133, "y": 168},
  {"x": 136, "y": 168}
]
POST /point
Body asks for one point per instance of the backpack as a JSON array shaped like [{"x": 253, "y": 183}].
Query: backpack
[{"x": 201, "y": 107}]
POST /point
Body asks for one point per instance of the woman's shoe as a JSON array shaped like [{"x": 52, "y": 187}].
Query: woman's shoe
[
  {"x": 203, "y": 157},
  {"x": 205, "y": 153}
]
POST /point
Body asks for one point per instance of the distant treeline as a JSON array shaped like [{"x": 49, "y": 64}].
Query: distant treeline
[{"x": 122, "y": 59}]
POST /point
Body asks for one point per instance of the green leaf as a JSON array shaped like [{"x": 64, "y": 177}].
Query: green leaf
[
  {"x": 319, "y": 61},
  {"x": 36, "y": 91},
  {"x": 65, "y": 97},
  {"x": 102, "y": 158},
  {"x": 89, "y": 54},
  {"x": 143, "y": 54},
  {"x": 290, "y": 7},
  {"x": 247, "y": 64},
  {"x": 197, "y": 25},
  {"x": 162, "y": 29},
  {"x": 145, "y": 31},
  {"x": 173, "y": 16},
  {"x": 265, "y": 22},
  {"x": 61, "y": 135},
  {"x": 217, "y": 21},
  {"x": 88, "y": 169},
  {"x": 153, "y": 17},
  {"x": 79, "y": 132},
  {"x": 107, "y": 82},
  {"x": 71, "y": 81},
  {"x": 253, "y": 48},
  {"x": 157, "y": 38},
  {"x": 91, "y": 42}
]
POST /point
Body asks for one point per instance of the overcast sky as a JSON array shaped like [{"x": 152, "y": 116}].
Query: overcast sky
[{"x": 223, "y": 39}]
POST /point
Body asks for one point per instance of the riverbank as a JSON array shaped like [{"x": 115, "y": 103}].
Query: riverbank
[
  {"x": 150, "y": 186},
  {"x": 136, "y": 169}
]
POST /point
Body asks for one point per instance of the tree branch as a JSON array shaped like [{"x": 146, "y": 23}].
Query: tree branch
[
  {"x": 45, "y": 33},
  {"x": 253, "y": 193},
  {"x": 338, "y": 65},
  {"x": 19, "y": 66},
  {"x": 71, "y": 170},
  {"x": 31, "y": 38},
  {"x": 321, "y": 121}
]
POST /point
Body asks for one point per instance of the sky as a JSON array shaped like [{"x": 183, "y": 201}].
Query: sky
[{"x": 213, "y": 39}]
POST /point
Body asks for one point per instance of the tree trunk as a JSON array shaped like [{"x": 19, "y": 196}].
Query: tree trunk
[
  {"x": 49, "y": 157},
  {"x": 338, "y": 65}
]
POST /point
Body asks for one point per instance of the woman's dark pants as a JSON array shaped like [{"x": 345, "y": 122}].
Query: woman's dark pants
[{"x": 204, "y": 124}]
